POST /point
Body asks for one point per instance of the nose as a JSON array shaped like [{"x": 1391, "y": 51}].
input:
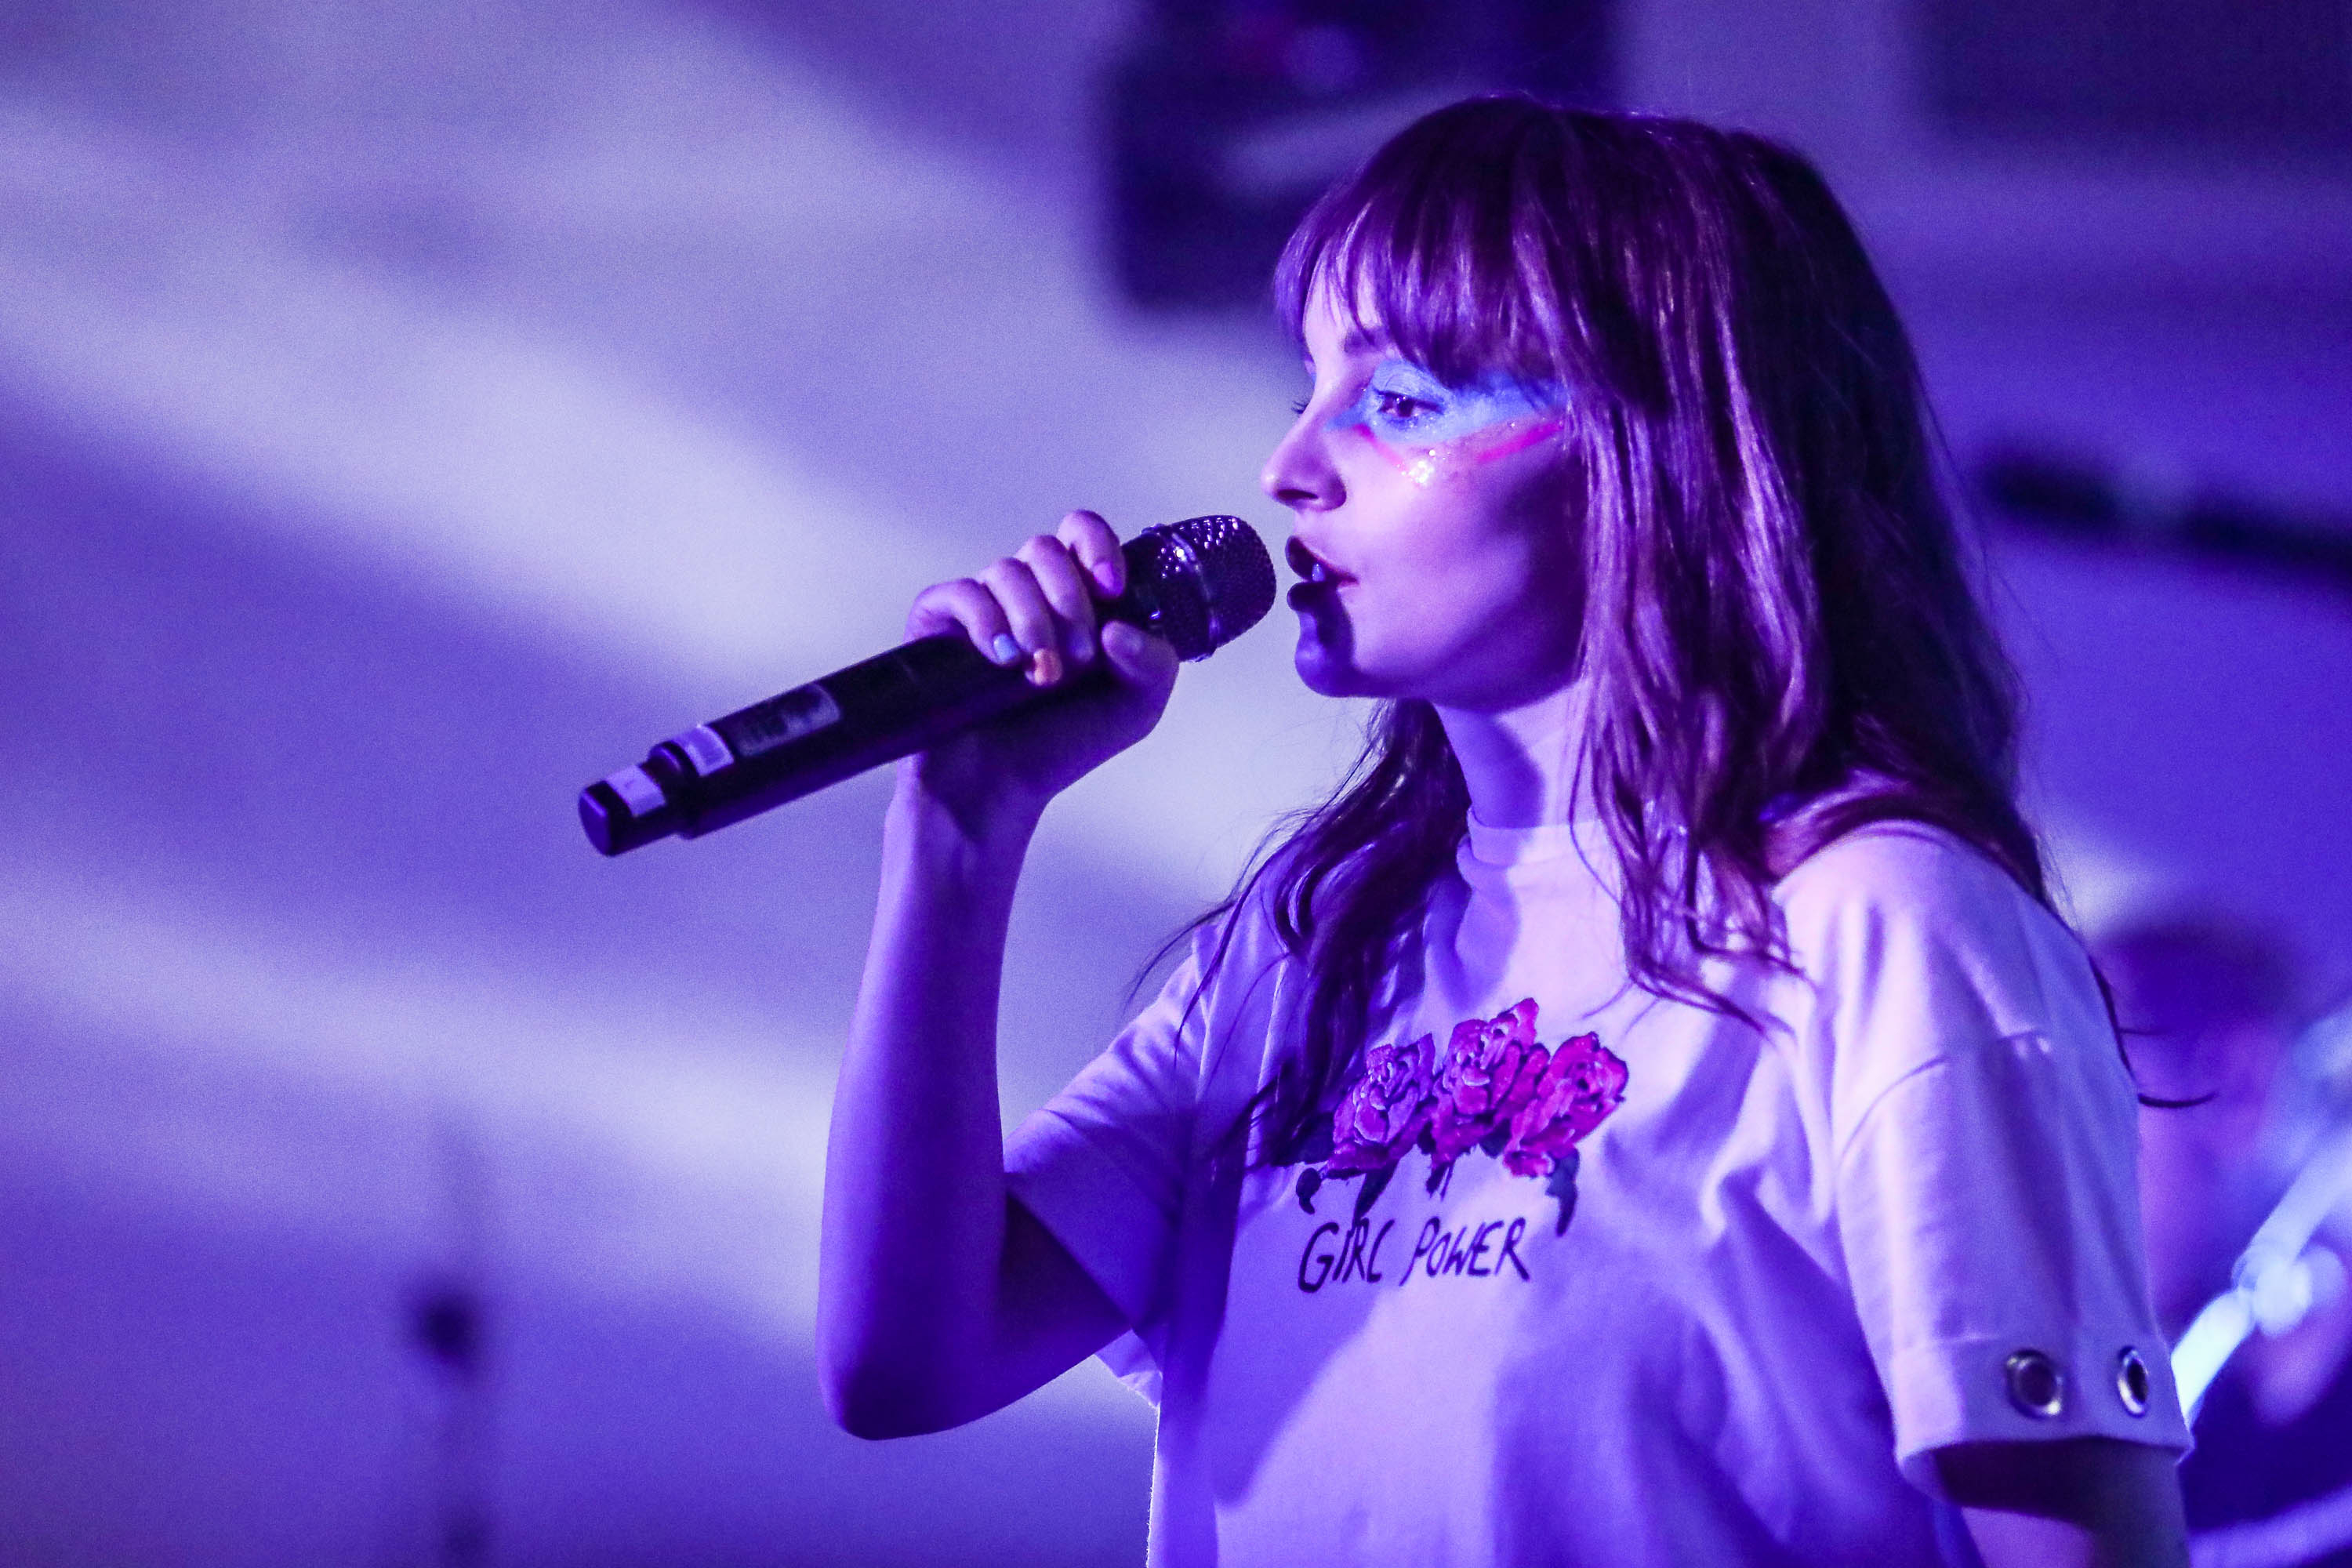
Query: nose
[{"x": 1298, "y": 473}]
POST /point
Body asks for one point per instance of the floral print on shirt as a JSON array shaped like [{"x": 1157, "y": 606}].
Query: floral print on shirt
[{"x": 1494, "y": 1089}]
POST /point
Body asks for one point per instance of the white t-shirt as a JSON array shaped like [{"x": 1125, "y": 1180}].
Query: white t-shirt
[{"x": 1687, "y": 1291}]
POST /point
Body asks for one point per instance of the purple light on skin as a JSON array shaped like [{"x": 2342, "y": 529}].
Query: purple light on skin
[{"x": 1424, "y": 426}]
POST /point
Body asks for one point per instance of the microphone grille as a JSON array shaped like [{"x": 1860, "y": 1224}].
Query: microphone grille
[{"x": 1212, "y": 576}]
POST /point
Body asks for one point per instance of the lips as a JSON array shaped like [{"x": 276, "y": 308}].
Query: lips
[{"x": 1318, "y": 578}]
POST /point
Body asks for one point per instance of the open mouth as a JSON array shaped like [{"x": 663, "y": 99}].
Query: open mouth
[{"x": 1313, "y": 570}]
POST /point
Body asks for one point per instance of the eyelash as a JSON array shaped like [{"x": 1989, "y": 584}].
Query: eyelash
[{"x": 1399, "y": 407}]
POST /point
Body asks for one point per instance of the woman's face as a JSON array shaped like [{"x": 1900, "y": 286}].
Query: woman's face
[{"x": 1432, "y": 527}]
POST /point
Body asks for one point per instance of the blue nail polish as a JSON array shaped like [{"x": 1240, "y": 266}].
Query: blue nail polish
[{"x": 1006, "y": 650}]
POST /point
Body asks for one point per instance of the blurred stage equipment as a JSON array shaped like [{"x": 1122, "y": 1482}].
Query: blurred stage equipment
[
  {"x": 449, "y": 1323},
  {"x": 1200, "y": 584},
  {"x": 2281, "y": 1275},
  {"x": 2157, "y": 509},
  {"x": 2160, "y": 75},
  {"x": 1228, "y": 117}
]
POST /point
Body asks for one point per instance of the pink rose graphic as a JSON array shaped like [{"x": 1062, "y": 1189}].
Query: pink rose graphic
[
  {"x": 1582, "y": 1085},
  {"x": 1492, "y": 1069},
  {"x": 1385, "y": 1109}
]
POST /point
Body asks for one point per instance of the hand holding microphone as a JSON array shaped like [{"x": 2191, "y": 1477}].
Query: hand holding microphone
[
  {"x": 1193, "y": 586},
  {"x": 1043, "y": 611}
]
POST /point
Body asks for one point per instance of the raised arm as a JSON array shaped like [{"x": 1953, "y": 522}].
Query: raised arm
[{"x": 938, "y": 1298}]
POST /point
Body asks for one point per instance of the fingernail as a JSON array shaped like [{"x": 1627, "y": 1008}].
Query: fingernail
[
  {"x": 1004, "y": 650},
  {"x": 1107, "y": 576},
  {"x": 1044, "y": 667}
]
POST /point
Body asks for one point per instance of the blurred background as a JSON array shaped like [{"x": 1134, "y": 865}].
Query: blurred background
[{"x": 409, "y": 409}]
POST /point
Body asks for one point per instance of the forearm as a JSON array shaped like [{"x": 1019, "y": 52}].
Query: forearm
[
  {"x": 914, "y": 1206},
  {"x": 934, "y": 1303},
  {"x": 2088, "y": 1502},
  {"x": 2023, "y": 1540}
]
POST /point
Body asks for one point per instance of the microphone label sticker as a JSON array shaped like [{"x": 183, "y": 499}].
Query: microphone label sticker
[{"x": 780, "y": 721}]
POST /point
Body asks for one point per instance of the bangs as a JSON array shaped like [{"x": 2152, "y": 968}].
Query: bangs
[{"x": 1440, "y": 246}]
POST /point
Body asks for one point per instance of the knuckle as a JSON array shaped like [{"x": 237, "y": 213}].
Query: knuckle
[
  {"x": 1025, "y": 611},
  {"x": 974, "y": 603},
  {"x": 1059, "y": 579},
  {"x": 1009, "y": 581},
  {"x": 947, "y": 598}
]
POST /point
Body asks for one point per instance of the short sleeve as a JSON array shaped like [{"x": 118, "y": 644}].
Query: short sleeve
[{"x": 1983, "y": 1128}]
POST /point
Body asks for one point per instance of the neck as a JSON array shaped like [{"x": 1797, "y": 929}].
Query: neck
[{"x": 1520, "y": 763}]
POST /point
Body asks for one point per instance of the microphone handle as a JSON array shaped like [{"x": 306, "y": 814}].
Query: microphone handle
[
  {"x": 897, "y": 703},
  {"x": 800, "y": 740}
]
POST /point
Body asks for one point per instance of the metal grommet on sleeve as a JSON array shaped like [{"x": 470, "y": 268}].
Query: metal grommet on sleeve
[
  {"x": 2131, "y": 1382},
  {"x": 2036, "y": 1386}
]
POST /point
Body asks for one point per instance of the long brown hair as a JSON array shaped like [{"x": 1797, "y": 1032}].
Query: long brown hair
[{"x": 1780, "y": 638}]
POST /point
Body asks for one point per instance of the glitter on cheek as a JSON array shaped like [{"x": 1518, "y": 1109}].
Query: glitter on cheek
[
  {"x": 1419, "y": 464},
  {"x": 1425, "y": 466}
]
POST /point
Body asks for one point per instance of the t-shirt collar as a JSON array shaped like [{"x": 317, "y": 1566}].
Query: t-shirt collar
[{"x": 1506, "y": 847}]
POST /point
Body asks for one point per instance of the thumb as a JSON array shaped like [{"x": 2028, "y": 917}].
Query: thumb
[{"x": 1142, "y": 659}]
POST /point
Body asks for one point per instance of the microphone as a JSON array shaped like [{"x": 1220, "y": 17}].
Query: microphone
[{"x": 1200, "y": 584}]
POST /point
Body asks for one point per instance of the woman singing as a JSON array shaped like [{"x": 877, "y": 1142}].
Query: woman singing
[{"x": 1652, "y": 1113}]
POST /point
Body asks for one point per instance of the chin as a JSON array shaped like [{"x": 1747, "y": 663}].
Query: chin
[
  {"x": 1325, "y": 674},
  {"x": 1319, "y": 672},
  {"x": 1324, "y": 681}
]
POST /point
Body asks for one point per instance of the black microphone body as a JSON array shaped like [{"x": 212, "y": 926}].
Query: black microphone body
[{"x": 1199, "y": 583}]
